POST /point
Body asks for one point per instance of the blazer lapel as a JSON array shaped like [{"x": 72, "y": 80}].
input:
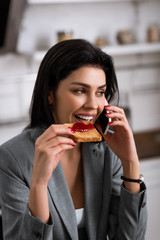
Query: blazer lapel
[
  {"x": 62, "y": 199},
  {"x": 60, "y": 194},
  {"x": 93, "y": 178}
]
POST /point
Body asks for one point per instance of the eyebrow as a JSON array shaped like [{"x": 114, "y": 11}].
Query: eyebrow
[{"x": 86, "y": 85}]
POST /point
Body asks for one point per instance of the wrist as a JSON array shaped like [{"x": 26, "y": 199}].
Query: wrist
[
  {"x": 37, "y": 183},
  {"x": 131, "y": 170},
  {"x": 38, "y": 201}
]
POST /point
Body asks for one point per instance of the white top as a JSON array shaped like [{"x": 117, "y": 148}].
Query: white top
[{"x": 80, "y": 217}]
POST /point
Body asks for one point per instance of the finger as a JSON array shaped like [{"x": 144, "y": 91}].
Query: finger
[
  {"x": 54, "y": 130},
  {"x": 59, "y": 155},
  {"x": 59, "y": 140},
  {"x": 115, "y": 116},
  {"x": 61, "y": 147},
  {"x": 112, "y": 108},
  {"x": 117, "y": 122}
]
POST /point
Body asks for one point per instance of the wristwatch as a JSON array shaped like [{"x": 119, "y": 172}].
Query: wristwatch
[{"x": 140, "y": 180}]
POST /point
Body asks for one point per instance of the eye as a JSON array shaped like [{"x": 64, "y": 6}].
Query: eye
[
  {"x": 101, "y": 92},
  {"x": 79, "y": 91}
]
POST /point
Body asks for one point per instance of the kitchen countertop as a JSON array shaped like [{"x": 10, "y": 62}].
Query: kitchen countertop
[{"x": 148, "y": 143}]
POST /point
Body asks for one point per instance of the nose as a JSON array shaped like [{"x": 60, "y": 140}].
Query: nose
[{"x": 91, "y": 102}]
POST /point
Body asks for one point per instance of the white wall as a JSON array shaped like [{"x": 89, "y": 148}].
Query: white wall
[{"x": 87, "y": 20}]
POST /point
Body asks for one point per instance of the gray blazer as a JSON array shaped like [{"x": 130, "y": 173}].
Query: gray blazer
[{"x": 110, "y": 210}]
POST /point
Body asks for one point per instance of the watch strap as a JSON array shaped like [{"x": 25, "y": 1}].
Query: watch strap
[{"x": 140, "y": 180}]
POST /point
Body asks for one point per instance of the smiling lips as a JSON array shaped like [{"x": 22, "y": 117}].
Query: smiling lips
[{"x": 84, "y": 118}]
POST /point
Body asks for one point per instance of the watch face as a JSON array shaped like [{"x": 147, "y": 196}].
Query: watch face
[{"x": 141, "y": 177}]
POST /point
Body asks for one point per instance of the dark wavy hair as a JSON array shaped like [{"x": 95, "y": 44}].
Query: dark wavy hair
[{"x": 60, "y": 61}]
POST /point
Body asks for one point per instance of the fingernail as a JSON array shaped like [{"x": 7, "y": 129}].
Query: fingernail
[
  {"x": 107, "y": 105},
  {"x": 75, "y": 142},
  {"x": 73, "y": 145},
  {"x": 107, "y": 113},
  {"x": 110, "y": 122},
  {"x": 72, "y": 131}
]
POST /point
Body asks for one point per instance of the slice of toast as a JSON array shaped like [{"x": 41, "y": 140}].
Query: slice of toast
[{"x": 91, "y": 135}]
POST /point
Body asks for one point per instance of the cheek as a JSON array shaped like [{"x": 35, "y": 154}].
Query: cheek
[
  {"x": 73, "y": 102},
  {"x": 74, "y": 105},
  {"x": 67, "y": 107}
]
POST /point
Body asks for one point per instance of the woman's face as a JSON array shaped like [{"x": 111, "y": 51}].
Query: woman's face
[{"x": 80, "y": 96}]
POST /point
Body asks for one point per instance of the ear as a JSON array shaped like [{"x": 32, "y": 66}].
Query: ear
[{"x": 50, "y": 97}]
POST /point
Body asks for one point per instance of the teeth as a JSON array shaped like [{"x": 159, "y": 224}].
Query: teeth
[{"x": 86, "y": 118}]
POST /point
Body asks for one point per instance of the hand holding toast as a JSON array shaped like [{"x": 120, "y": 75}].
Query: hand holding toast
[{"x": 49, "y": 147}]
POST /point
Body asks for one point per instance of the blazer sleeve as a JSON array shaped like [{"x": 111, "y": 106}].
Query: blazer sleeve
[
  {"x": 128, "y": 212},
  {"x": 18, "y": 224}
]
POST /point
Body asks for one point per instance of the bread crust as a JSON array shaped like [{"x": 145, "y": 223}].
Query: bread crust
[{"x": 87, "y": 136}]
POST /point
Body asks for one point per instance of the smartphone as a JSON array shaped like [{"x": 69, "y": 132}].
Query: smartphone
[{"x": 103, "y": 120}]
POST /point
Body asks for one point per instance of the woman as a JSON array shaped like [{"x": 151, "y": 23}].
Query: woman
[{"x": 55, "y": 188}]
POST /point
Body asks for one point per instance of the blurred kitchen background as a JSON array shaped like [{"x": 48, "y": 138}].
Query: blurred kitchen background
[{"x": 129, "y": 30}]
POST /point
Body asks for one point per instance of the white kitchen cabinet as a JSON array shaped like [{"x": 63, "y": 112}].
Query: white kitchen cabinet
[
  {"x": 9, "y": 101},
  {"x": 145, "y": 99},
  {"x": 146, "y": 79},
  {"x": 15, "y": 97},
  {"x": 145, "y": 110},
  {"x": 124, "y": 80},
  {"x": 139, "y": 87}
]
